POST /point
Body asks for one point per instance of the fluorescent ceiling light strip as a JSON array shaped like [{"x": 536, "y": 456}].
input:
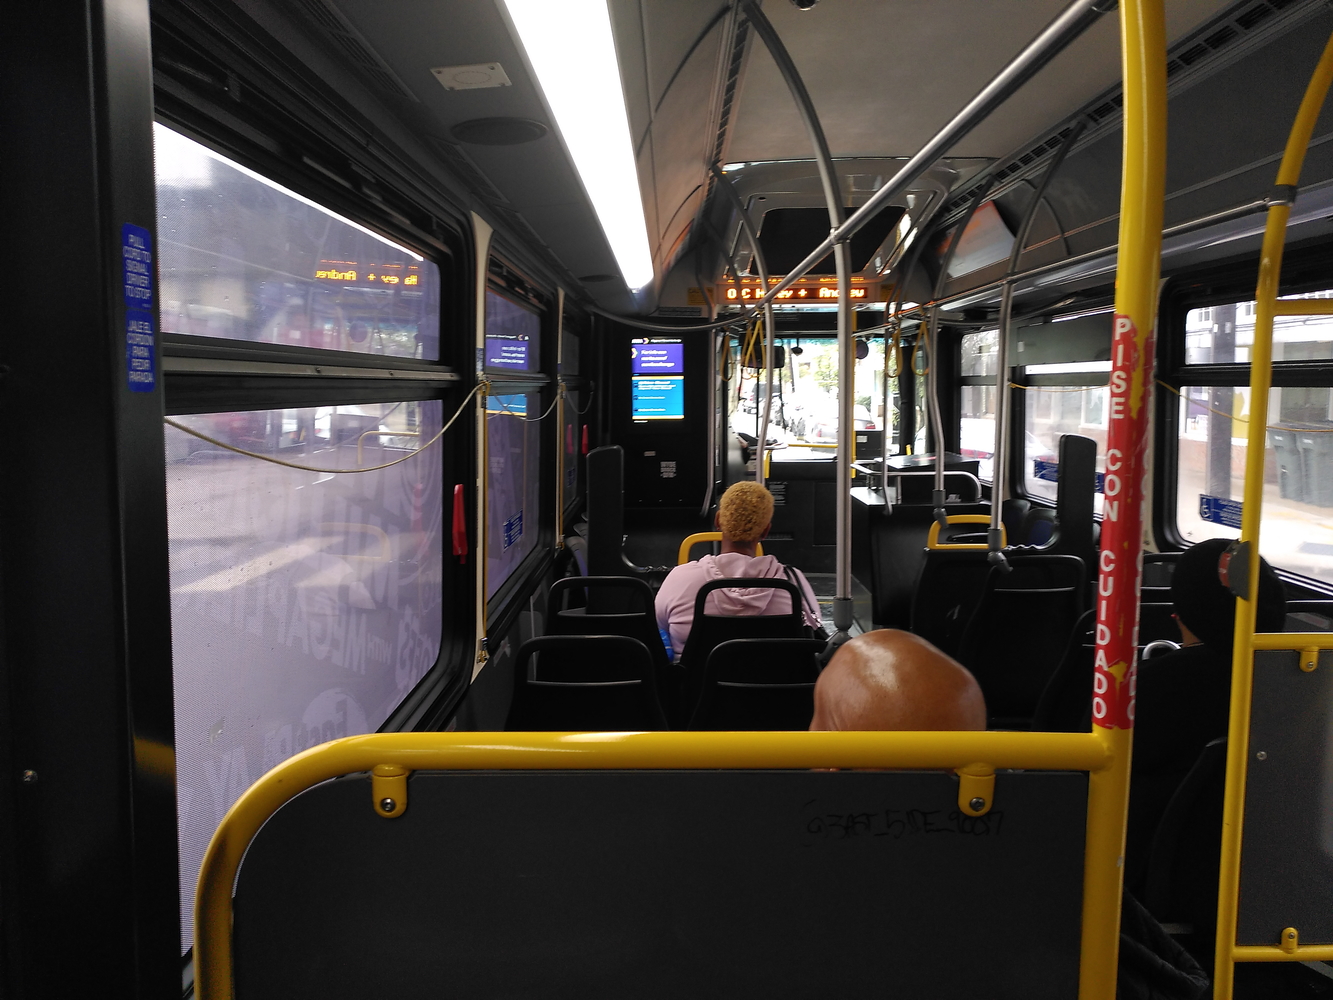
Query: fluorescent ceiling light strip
[
  {"x": 570, "y": 46},
  {"x": 176, "y": 150}
]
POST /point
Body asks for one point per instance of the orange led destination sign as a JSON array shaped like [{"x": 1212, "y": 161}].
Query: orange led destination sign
[
  {"x": 822, "y": 291},
  {"x": 346, "y": 271}
]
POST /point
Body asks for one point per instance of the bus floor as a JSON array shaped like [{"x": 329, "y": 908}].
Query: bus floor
[{"x": 825, "y": 587}]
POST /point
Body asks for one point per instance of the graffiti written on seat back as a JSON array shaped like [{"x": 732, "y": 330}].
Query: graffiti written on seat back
[{"x": 896, "y": 824}]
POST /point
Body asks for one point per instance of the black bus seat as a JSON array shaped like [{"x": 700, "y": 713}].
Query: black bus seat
[
  {"x": 1039, "y": 527},
  {"x": 1065, "y": 705},
  {"x": 1013, "y": 515},
  {"x": 1309, "y": 616},
  {"x": 757, "y": 684},
  {"x": 708, "y": 631},
  {"x": 1157, "y": 621},
  {"x": 629, "y": 613},
  {"x": 1020, "y": 630},
  {"x": 1179, "y": 879},
  {"x": 1155, "y": 587},
  {"x": 947, "y": 593},
  {"x": 1066, "y": 701},
  {"x": 897, "y": 552},
  {"x": 662, "y": 884},
  {"x": 593, "y": 683}
]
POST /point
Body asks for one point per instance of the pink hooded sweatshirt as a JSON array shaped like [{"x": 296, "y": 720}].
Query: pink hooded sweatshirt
[{"x": 675, "y": 601}]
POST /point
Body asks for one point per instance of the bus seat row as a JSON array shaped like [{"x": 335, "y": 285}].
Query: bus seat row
[{"x": 604, "y": 667}]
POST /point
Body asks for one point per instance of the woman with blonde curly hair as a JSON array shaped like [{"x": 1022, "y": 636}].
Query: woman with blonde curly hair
[{"x": 744, "y": 516}]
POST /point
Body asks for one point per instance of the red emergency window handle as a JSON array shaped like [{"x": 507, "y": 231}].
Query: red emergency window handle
[
  {"x": 460, "y": 525},
  {"x": 585, "y": 439}
]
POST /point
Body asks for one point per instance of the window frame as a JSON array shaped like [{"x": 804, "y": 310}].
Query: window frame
[
  {"x": 507, "y": 280},
  {"x": 1305, "y": 269},
  {"x": 1018, "y": 421}
]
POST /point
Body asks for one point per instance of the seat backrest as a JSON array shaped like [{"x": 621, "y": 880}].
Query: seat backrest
[
  {"x": 585, "y": 683},
  {"x": 612, "y": 605},
  {"x": 1181, "y": 881},
  {"x": 1020, "y": 630},
  {"x": 897, "y": 550},
  {"x": 1157, "y": 621},
  {"x": 708, "y": 631},
  {"x": 947, "y": 593},
  {"x": 1155, "y": 588},
  {"x": 756, "y": 684},
  {"x": 1065, "y": 705},
  {"x": 1038, "y": 527},
  {"x": 663, "y": 884},
  {"x": 615, "y": 605}
]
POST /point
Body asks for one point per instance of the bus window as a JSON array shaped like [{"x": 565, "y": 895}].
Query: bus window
[
  {"x": 976, "y": 433},
  {"x": 1213, "y": 426},
  {"x": 513, "y": 483},
  {"x": 305, "y": 606},
  {"x": 242, "y": 258},
  {"x": 803, "y": 419},
  {"x": 1068, "y": 399}
]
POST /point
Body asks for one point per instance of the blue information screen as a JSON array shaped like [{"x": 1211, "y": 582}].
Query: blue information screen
[
  {"x": 657, "y": 378},
  {"x": 658, "y": 397},
  {"x": 511, "y": 334},
  {"x": 657, "y": 356}
]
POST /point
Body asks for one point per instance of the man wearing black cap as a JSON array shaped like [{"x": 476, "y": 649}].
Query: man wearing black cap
[{"x": 1183, "y": 699}]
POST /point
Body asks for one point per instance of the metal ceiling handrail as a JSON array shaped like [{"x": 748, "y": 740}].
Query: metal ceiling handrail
[
  {"x": 842, "y": 600},
  {"x": 999, "y": 454},
  {"x": 770, "y": 331},
  {"x": 1054, "y": 38}
]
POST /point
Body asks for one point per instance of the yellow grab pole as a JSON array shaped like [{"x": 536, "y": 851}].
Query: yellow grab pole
[
  {"x": 1261, "y": 380},
  {"x": 1119, "y": 565}
]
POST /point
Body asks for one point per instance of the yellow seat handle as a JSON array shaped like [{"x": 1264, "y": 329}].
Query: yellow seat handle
[
  {"x": 683, "y": 556},
  {"x": 933, "y": 539}
]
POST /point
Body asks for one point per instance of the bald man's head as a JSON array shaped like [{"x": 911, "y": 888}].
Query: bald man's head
[{"x": 892, "y": 680}]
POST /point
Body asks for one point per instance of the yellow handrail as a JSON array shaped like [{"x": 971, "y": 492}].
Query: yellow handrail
[
  {"x": 1142, "y": 196},
  {"x": 933, "y": 537},
  {"x": 407, "y": 752},
  {"x": 1245, "y": 641},
  {"x": 698, "y": 538}
]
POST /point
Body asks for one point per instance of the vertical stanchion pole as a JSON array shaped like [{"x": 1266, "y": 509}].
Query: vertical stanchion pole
[
  {"x": 1143, "y": 57},
  {"x": 560, "y": 418},
  {"x": 1261, "y": 380}
]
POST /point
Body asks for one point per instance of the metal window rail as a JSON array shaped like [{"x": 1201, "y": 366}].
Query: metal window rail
[{"x": 1288, "y": 948}]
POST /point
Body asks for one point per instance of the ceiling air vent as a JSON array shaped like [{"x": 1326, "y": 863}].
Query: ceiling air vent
[
  {"x": 1224, "y": 39},
  {"x": 350, "y": 43}
]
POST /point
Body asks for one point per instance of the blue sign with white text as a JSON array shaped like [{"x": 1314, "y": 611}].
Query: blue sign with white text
[
  {"x": 1220, "y": 510},
  {"x": 513, "y": 530},
  {"x": 136, "y": 259},
  {"x": 140, "y": 355},
  {"x": 1050, "y": 472}
]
